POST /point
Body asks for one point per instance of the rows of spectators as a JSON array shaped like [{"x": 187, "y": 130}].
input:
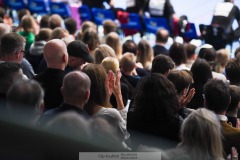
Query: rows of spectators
[{"x": 103, "y": 94}]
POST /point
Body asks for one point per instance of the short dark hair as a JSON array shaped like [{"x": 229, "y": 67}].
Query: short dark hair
[
  {"x": 217, "y": 95},
  {"x": 161, "y": 64},
  {"x": 201, "y": 71},
  {"x": 190, "y": 49},
  {"x": 44, "y": 22},
  {"x": 178, "y": 53},
  {"x": 209, "y": 54},
  {"x": 232, "y": 70},
  {"x": 11, "y": 42},
  {"x": 235, "y": 97},
  {"x": 71, "y": 25},
  {"x": 129, "y": 46},
  {"x": 8, "y": 71}
]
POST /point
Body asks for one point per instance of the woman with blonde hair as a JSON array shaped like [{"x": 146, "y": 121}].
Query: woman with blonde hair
[
  {"x": 102, "y": 51},
  {"x": 113, "y": 40},
  {"x": 27, "y": 23},
  {"x": 145, "y": 54}
]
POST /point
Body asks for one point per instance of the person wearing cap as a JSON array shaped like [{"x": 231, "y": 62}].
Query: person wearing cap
[{"x": 78, "y": 55}]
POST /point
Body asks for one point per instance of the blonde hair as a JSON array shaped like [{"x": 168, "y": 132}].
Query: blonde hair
[
  {"x": 145, "y": 54},
  {"x": 201, "y": 135},
  {"x": 102, "y": 51},
  {"x": 27, "y": 23},
  {"x": 221, "y": 60},
  {"x": 59, "y": 33},
  {"x": 110, "y": 63},
  {"x": 113, "y": 40}
]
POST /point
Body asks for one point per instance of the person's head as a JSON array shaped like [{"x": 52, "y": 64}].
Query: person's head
[
  {"x": 201, "y": 71},
  {"x": 162, "y": 36},
  {"x": 44, "y": 22},
  {"x": 10, "y": 72},
  {"x": 71, "y": 125},
  {"x": 59, "y": 33},
  {"x": 76, "y": 88},
  {"x": 55, "y": 21},
  {"x": 235, "y": 98},
  {"x": 236, "y": 53},
  {"x": 4, "y": 28},
  {"x": 162, "y": 64},
  {"x": 178, "y": 53},
  {"x": 91, "y": 38},
  {"x": 145, "y": 54},
  {"x": 22, "y": 12},
  {"x": 128, "y": 62},
  {"x": 102, "y": 51},
  {"x": 217, "y": 95},
  {"x": 99, "y": 92},
  {"x": 113, "y": 40},
  {"x": 88, "y": 24},
  {"x": 208, "y": 53},
  {"x": 201, "y": 135},
  {"x": 12, "y": 47},
  {"x": 181, "y": 79},
  {"x": 190, "y": 50},
  {"x": 232, "y": 70},
  {"x": 27, "y": 23},
  {"x": 78, "y": 54},
  {"x": 44, "y": 34},
  {"x": 221, "y": 60},
  {"x": 25, "y": 101},
  {"x": 55, "y": 54},
  {"x": 129, "y": 46},
  {"x": 156, "y": 97},
  {"x": 109, "y": 26},
  {"x": 110, "y": 64},
  {"x": 71, "y": 25}
]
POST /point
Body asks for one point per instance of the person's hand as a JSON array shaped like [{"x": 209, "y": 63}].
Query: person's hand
[
  {"x": 110, "y": 79},
  {"x": 186, "y": 98},
  {"x": 116, "y": 83},
  {"x": 233, "y": 155}
]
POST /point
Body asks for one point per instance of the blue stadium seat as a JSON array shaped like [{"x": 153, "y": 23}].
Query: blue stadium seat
[
  {"x": 16, "y": 4},
  {"x": 133, "y": 26},
  {"x": 191, "y": 33},
  {"x": 85, "y": 13},
  {"x": 60, "y": 8},
  {"x": 101, "y": 15},
  {"x": 38, "y": 7},
  {"x": 153, "y": 24}
]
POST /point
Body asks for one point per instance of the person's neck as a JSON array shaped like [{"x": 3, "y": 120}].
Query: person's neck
[
  {"x": 223, "y": 113},
  {"x": 61, "y": 67},
  {"x": 160, "y": 44},
  {"x": 74, "y": 103}
]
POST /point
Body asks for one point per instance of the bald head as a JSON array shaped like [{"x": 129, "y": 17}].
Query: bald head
[
  {"x": 55, "y": 54},
  {"x": 76, "y": 88}
]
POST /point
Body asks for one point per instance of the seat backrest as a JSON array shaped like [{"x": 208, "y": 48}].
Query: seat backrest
[
  {"x": 85, "y": 13},
  {"x": 102, "y": 14},
  {"x": 191, "y": 33},
  {"x": 16, "y": 4},
  {"x": 60, "y": 8},
  {"x": 38, "y": 7},
  {"x": 153, "y": 24}
]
